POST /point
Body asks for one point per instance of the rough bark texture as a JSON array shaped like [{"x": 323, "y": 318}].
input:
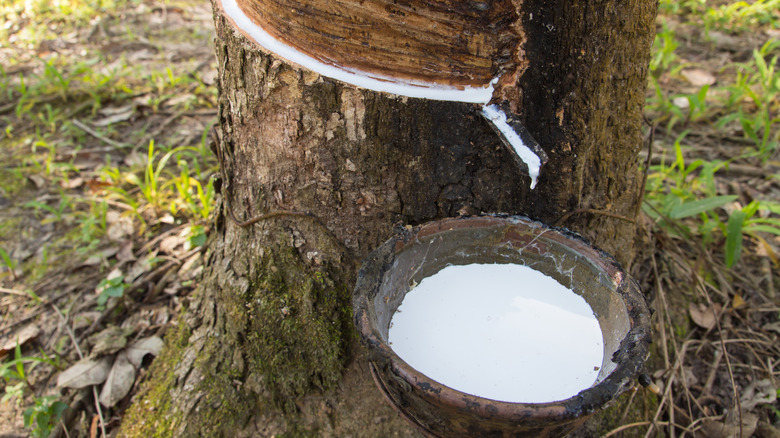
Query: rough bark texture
[{"x": 268, "y": 347}]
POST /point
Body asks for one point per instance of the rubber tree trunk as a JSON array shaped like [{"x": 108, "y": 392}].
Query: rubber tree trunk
[{"x": 267, "y": 346}]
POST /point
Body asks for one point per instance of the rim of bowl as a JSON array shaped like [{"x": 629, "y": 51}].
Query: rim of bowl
[{"x": 629, "y": 358}]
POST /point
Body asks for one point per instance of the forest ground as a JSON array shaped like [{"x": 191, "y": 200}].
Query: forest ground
[{"x": 105, "y": 194}]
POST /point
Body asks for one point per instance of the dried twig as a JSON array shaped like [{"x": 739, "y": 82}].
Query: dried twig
[
  {"x": 667, "y": 390},
  {"x": 766, "y": 269},
  {"x": 81, "y": 356},
  {"x": 725, "y": 354},
  {"x": 163, "y": 126},
  {"x": 148, "y": 245},
  {"x": 707, "y": 389},
  {"x": 663, "y": 311},
  {"x": 671, "y": 424},
  {"x": 40, "y": 310},
  {"x": 99, "y": 136},
  {"x": 15, "y": 292},
  {"x": 628, "y": 405},
  {"x": 650, "y": 139}
]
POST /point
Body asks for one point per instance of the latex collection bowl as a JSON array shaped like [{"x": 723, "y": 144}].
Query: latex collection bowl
[{"x": 440, "y": 411}]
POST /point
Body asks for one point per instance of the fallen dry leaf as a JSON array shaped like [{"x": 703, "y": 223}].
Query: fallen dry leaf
[
  {"x": 704, "y": 316},
  {"x": 89, "y": 161},
  {"x": 759, "y": 392},
  {"x": 101, "y": 256},
  {"x": 38, "y": 180},
  {"x": 115, "y": 115},
  {"x": 698, "y": 77},
  {"x": 140, "y": 267},
  {"x": 113, "y": 110},
  {"x": 134, "y": 159},
  {"x": 119, "y": 227},
  {"x": 773, "y": 326},
  {"x": 173, "y": 289},
  {"x": 179, "y": 100},
  {"x": 140, "y": 348},
  {"x": 766, "y": 430},
  {"x": 167, "y": 219},
  {"x": 85, "y": 373},
  {"x": 681, "y": 102},
  {"x": 169, "y": 244},
  {"x": 21, "y": 337},
  {"x": 95, "y": 185},
  {"x": 118, "y": 382},
  {"x": 109, "y": 341},
  {"x": 125, "y": 253},
  {"x": 689, "y": 378},
  {"x": 729, "y": 427},
  {"x": 72, "y": 183}
]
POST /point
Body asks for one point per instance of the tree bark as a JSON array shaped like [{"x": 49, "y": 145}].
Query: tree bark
[{"x": 267, "y": 346}]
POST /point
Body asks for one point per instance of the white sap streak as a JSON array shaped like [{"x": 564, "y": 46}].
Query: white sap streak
[
  {"x": 494, "y": 113},
  {"x": 359, "y": 78},
  {"x": 502, "y": 332}
]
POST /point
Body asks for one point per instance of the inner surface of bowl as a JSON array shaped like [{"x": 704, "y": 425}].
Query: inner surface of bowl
[{"x": 538, "y": 249}]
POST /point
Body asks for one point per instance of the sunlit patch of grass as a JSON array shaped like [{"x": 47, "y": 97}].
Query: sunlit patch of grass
[
  {"x": 41, "y": 99},
  {"x": 175, "y": 181},
  {"x": 32, "y": 21},
  {"x": 742, "y": 16},
  {"x": 747, "y": 103},
  {"x": 72, "y": 169},
  {"x": 684, "y": 190},
  {"x": 743, "y": 103},
  {"x": 12, "y": 180},
  {"x": 754, "y": 99},
  {"x": 682, "y": 198},
  {"x": 735, "y": 17}
]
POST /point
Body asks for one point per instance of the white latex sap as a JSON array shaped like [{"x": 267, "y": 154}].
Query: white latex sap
[{"x": 503, "y": 332}]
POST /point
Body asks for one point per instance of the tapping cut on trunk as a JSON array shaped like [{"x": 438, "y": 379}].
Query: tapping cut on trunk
[{"x": 449, "y": 42}]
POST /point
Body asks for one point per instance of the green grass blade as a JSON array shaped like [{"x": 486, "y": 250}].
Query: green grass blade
[
  {"x": 734, "y": 237},
  {"x": 7, "y": 260},
  {"x": 19, "y": 361},
  {"x": 764, "y": 228},
  {"x": 692, "y": 208}
]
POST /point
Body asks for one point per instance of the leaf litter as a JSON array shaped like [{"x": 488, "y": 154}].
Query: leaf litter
[{"x": 85, "y": 372}]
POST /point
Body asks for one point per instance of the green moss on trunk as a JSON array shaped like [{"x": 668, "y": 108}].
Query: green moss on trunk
[
  {"x": 155, "y": 417},
  {"x": 288, "y": 325},
  {"x": 285, "y": 329}
]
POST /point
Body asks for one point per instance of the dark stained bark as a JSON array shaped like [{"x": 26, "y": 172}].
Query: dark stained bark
[
  {"x": 582, "y": 98},
  {"x": 267, "y": 346}
]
